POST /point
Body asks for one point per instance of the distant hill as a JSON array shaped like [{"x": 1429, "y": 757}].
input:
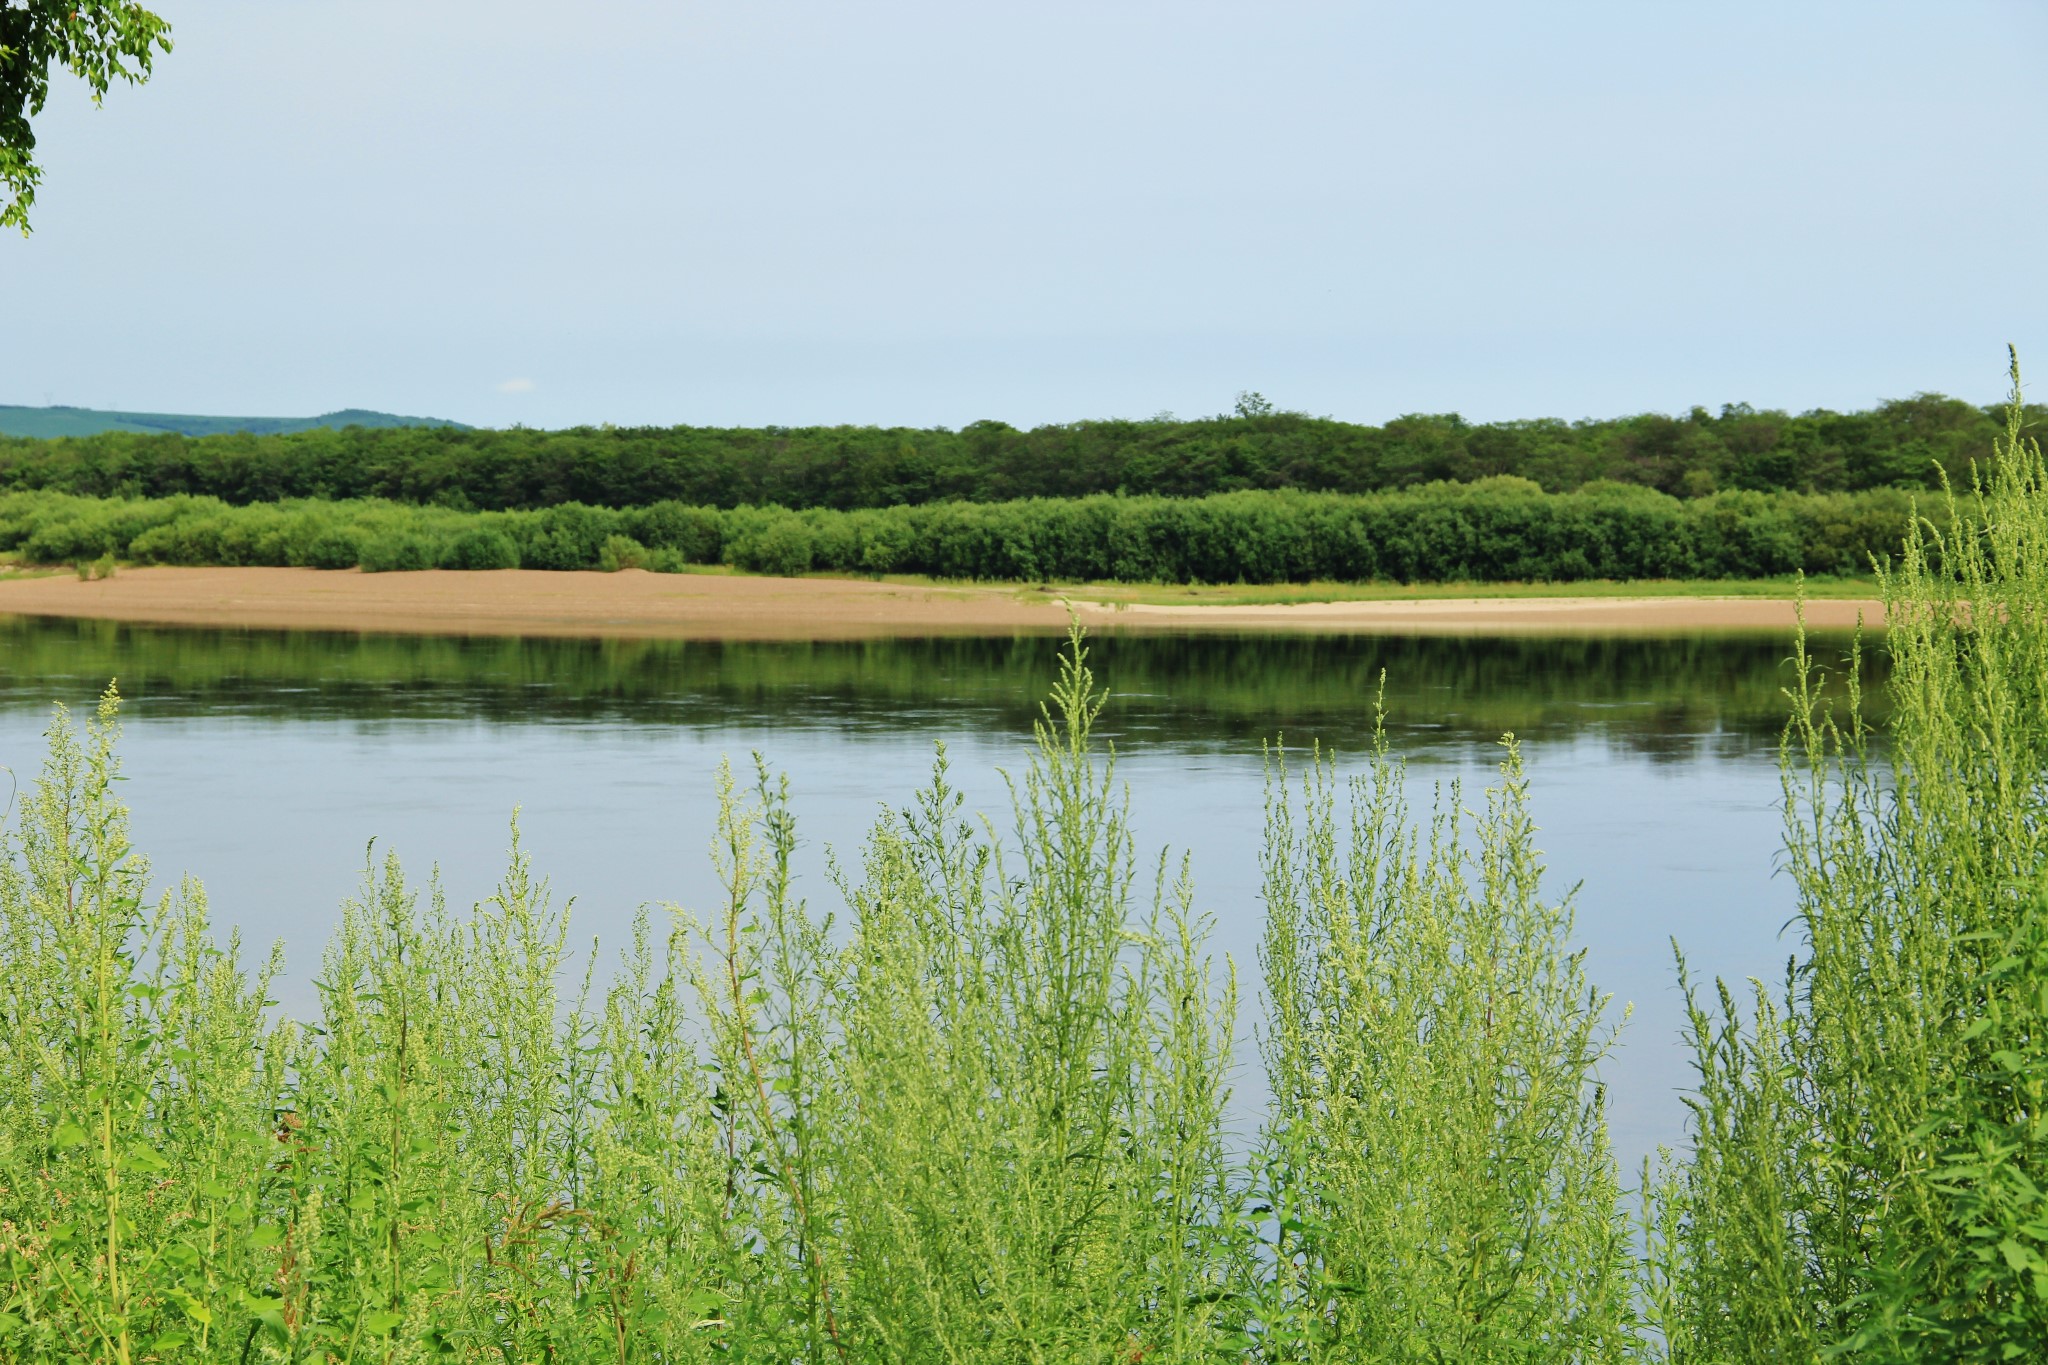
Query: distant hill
[{"x": 63, "y": 421}]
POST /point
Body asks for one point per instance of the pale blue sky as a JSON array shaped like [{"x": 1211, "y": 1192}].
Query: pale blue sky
[{"x": 502, "y": 211}]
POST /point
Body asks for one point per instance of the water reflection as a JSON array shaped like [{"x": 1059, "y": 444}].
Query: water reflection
[{"x": 1667, "y": 699}]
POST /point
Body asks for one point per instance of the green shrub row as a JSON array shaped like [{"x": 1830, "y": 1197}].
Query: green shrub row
[
  {"x": 1906, "y": 442},
  {"x": 1494, "y": 530}
]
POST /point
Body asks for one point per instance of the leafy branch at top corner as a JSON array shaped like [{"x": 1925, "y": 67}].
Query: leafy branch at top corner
[{"x": 98, "y": 41}]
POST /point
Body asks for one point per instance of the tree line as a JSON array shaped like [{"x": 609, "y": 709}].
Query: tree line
[
  {"x": 1905, "y": 443},
  {"x": 1501, "y": 529}
]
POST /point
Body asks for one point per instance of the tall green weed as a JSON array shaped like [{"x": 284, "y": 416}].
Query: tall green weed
[
  {"x": 978, "y": 1119},
  {"x": 1437, "y": 1167},
  {"x": 1870, "y": 1156}
]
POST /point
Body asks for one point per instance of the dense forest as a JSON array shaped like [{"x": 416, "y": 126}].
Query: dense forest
[
  {"x": 1499, "y": 529},
  {"x": 1906, "y": 443}
]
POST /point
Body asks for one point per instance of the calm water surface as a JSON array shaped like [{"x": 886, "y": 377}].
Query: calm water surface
[{"x": 265, "y": 762}]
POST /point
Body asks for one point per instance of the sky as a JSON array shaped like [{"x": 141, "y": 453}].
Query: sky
[{"x": 772, "y": 212}]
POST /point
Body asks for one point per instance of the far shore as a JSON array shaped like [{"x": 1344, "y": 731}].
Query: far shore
[{"x": 715, "y": 606}]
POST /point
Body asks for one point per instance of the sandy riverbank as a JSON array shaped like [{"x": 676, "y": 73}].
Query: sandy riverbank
[{"x": 715, "y": 606}]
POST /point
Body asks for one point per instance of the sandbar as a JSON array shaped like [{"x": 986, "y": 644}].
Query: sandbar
[{"x": 633, "y": 603}]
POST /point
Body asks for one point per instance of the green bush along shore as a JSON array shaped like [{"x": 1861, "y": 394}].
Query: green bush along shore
[
  {"x": 1502, "y": 529},
  {"x": 975, "y": 1111}
]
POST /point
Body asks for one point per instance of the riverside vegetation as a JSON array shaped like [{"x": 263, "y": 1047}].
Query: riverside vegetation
[
  {"x": 976, "y": 1113},
  {"x": 1257, "y": 496},
  {"x": 1500, "y": 529}
]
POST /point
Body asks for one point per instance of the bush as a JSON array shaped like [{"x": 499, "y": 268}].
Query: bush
[
  {"x": 481, "y": 547},
  {"x": 621, "y": 552},
  {"x": 695, "y": 533},
  {"x": 567, "y": 537},
  {"x": 331, "y": 549},
  {"x": 770, "y": 541},
  {"x": 397, "y": 552},
  {"x": 68, "y": 541}
]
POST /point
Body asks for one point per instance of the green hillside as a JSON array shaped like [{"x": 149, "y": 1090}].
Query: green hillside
[{"x": 64, "y": 421}]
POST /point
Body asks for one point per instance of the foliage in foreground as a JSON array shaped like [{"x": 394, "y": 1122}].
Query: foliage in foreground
[
  {"x": 1437, "y": 1153},
  {"x": 1495, "y": 530},
  {"x": 978, "y": 1118},
  {"x": 1870, "y": 1174}
]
